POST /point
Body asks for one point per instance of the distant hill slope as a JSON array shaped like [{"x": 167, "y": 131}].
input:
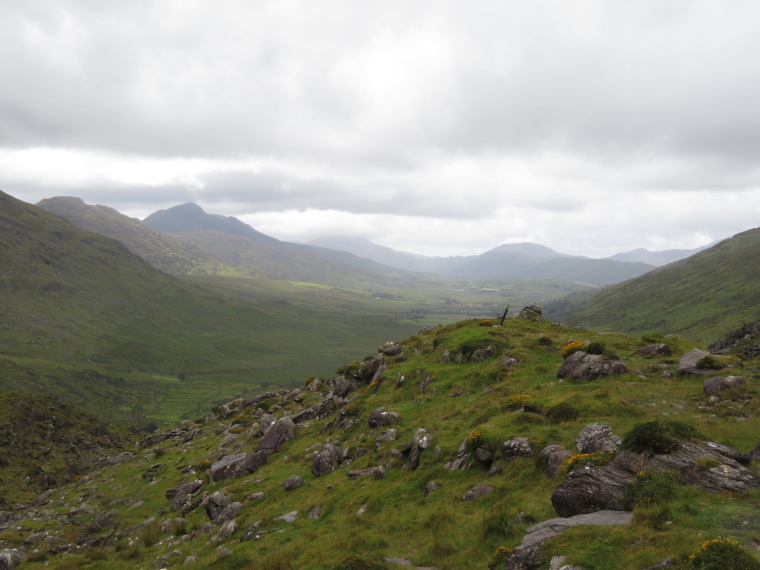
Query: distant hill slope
[
  {"x": 157, "y": 248},
  {"x": 508, "y": 261},
  {"x": 656, "y": 258},
  {"x": 700, "y": 297},
  {"x": 190, "y": 217}
]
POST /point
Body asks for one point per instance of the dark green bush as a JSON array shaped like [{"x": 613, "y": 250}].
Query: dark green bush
[
  {"x": 649, "y": 488},
  {"x": 357, "y": 562},
  {"x": 658, "y": 437},
  {"x": 595, "y": 348},
  {"x": 709, "y": 363},
  {"x": 545, "y": 341},
  {"x": 563, "y": 412}
]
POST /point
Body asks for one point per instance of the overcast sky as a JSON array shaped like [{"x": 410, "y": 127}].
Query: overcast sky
[{"x": 437, "y": 127}]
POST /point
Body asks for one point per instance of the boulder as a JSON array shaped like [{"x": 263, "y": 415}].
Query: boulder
[
  {"x": 430, "y": 487},
  {"x": 183, "y": 495},
  {"x": 688, "y": 362},
  {"x": 387, "y": 436},
  {"x": 215, "y": 503},
  {"x": 531, "y": 312},
  {"x": 289, "y": 517},
  {"x": 550, "y": 459},
  {"x": 516, "y": 447},
  {"x": 582, "y": 367},
  {"x": 528, "y": 554},
  {"x": 326, "y": 460},
  {"x": 231, "y": 466},
  {"x": 277, "y": 434},
  {"x": 463, "y": 458},
  {"x": 718, "y": 383},
  {"x": 481, "y": 354},
  {"x": 390, "y": 349},
  {"x": 754, "y": 455},
  {"x": 343, "y": 386},
  {"x": 589, "y": 489},
  {"x": 657, "y": 349},
  {"x": 477, "y": 492},
  {"x": 11, "y": 558},
  {"x": 421, "y": 440},
  {"x": 380, "y": 417},
  {"x": 376, "y": 472},
  {"x": 293, "y": 482},
  {"x": 265, "y": 421},
  {"x": 225, "y": 532},
  {"x": 484, "y": 455},
  {"x": 228, "y": 513},
  {"x": 597, "y": 438}
]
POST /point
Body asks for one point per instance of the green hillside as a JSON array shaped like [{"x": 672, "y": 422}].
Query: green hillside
[
  {"x": 338, "y": 491},
  {"x": 701, "y": 297}
]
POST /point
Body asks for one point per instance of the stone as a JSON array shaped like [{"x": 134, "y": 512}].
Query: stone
[
  {"x": 315, "y": 511},
  {"x": 251, "y": 531},
  {"x": 589, "y": 489},
  {"x": 231, "y": 466},
  {"x": 550, "y": 459},
  {"x": 516, "y": 447},
  {"x": 718, "y": 383},
  {"x": 477, "y": 492},
  {"x": 597, "y": 438},
  {"x": 657, "y": 349},
  {"x": 289, "y": 517},
  {"x": 376, "y": 472},
  {"x": 463, "y": 459},
  {"x": 183, "y": 495},
  {"x": 11, "y": 558},
  {"x": 754, "y": 455},
  {"x": 688, "y": 362},
  {"x": 226, "y": 531},
  {"x": 277, "y": 434},
  {"x": 293, "y": 482},
  {"x": 215, "y": 503},
  {"x": 256, "y": 496},
  {"x": 387, "y": 436},
  {"x": 343, "y": 386},
  {"x": 430, "y": 487},
  {"x": 481, "y": 355},
  {"x": 265, "y": 422},
  {"x": 484, "y": 455},
  {"x": 421, "y": 440},
  {"x": 528, "y": 555},
  {"x": 390, "y": 349},
  {"x": 583, "y": 367},
  {"x": 531, "y": 312},
  {"x": 326, "y": 460},
  {"x": 380, "y": 418}
]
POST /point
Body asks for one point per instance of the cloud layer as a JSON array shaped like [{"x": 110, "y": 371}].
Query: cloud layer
[{"x": 437, "y": 127}]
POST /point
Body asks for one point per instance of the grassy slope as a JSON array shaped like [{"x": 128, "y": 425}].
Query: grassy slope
[
  {"x": 438, "y": 530},
  {"x": 701, "y": 297}
]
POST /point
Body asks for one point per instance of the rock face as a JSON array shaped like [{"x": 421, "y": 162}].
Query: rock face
[
  {"x": 531, "y": 312},
  {"x": 708, "y": 465},
  {"x": 326, "y": 460},
  {"x": 718, "y": 383},
  {"x": 596, "y": 438},
  {"x": 380, "y": 417},
  {"x": 657, "y": 349},
  {"x": 688, "y": 362},
  {"x": 528, "y": 555},
  {"x": 582, "y": 367}
]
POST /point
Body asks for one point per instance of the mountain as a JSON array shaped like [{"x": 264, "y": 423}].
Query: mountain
[
  {"x": 508, "y": 261},
  {"x": 157, "y": 248},
  {"x": 191, "y": 217},
  {"x": 656, "y": 258},
  {"x": 443, "y": 450},
  {"x": 699, "y": 297}
]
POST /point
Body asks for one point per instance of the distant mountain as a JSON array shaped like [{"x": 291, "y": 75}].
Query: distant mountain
[
  {"x": 191, "y": 217},
  {"x": 508, "y": 261},
  {"x": 157, "y": 248},
  {"x": 656, "y": 258},
  {"x": 700, "y": 297}
]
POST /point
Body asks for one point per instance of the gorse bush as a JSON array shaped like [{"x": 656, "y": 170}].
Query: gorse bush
[
  {"x": 499, "y": 558},
  {"x": 596, "y": 459},
  {"x": 649, "y": 488},
  {"x": 572, "y": 347},
  {"x": 475, "y": 439},
  {"x": 658, "y": 437},
  {"x": 720, "y": 554},
  {"x": 516, "y": 402}
]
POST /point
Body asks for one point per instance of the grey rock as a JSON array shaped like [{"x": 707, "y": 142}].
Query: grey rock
[
  {"x": 251, "y": 531},
  {"x": 531, "y": 312},
  {"x": 387, "y": 436},
  {"x": 380, "y": 418},
  {"x": 390, "y": 349},
  {"x": 326, "y": 460},
  {"x": 589, "y": 489},
  {"x": 516, "y": 447},
  {"x": 228, "y": 528},
  {"x": 582, "y": 367},
  {"x": 256, "y": 496},
  {"x": 215, "y": 503},
  {"x": 376, "y": 472},
  {"x": 658, "y": 349},
  {"x": 11, "y": 558},
  {"x": 597, "y": 438},
  {"x": 231, "y": 466},
  {"x": 463, "y": 459},
  {"x": 688, "y": 362},
  {"x": 528, "y": 554},
  {"x": 477, "y": 492},
  {"x": 718, "y": 383},
  {"x": 315, "y": 511},
  {"x": 754, "y": 455},
  {"x": 183, "y": 495},
  {"x": 421, "y": 440},
  {"x": 289, "y": 517},
  {"x": 481, "y": 355},
  {"x": 343, "y": 386},
  {"x": 265, "y": 421},
  {"x": 189, "y": 560},
  {"x": 430, "y": 487},
  {"x": 484, "y": 455},
  {"x": 277, "y": 434},
  {"x": 550, "y": 459},
  {"x": 293, "y": 482}
]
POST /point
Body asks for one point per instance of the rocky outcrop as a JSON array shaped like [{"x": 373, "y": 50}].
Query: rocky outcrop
[
  {"x": 657, "y": 349},
  {"x": 231, "y": 466},
  {"x": 380, "y": 417},
  {"x": 581, "y": 367},
  {"x": 516, "y": 447},
  {"x": 688, "y": 362},
  {"x": 597, "y": 438},
  {"x": 531, "y": 312},
  {"x": 376, "y": 472},
  {"x": 277, "y": 434},
  {"x": 421, "y": 440},
  {"x": 589, "y": 489},
  {"x": 390, "y": 349},
  {"x": 718, "y": 383},
  {"x": 462, "y": 460},
  {"x": 528, "y": 554},
  {"x": 326, "y": 460},
  {"x": 183, "y": 496}
]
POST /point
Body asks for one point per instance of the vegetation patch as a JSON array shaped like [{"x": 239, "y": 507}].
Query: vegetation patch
[
  {"x": 658, "y": 437},
  {"x": 649, "y": 488}
]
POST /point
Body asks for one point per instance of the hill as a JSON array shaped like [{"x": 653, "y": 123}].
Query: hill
[
  {"x": 442, "y": 450},
  {"x": 157, "y": 248},
  {"x": 508, "y": 261},
  {"x": 700, "y": 297},
  {"x": 656, "y": 258}
]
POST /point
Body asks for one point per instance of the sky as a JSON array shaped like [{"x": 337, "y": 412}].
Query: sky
[{"x": 436, "y": 127}]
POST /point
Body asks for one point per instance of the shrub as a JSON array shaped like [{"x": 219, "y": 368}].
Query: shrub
[
  {"x": 309, "y": 380},
  {"x": 719, "y": 554},
  {"x": 486, "y": 323},
  {"x": 572, "y": 347},
  {"x": 595, "y": 348},
  {"x": 649, "y": 488},
  {"x": 499, "y": 558},
  {"x": 545, "y": 341},
  {"x": 598, "y": 459},
  {"x": 475, "y": 439},
  {"x": 516, "y": 402},
  {"x": 658, "y": 437},
  {"x": 563, "y": 412},
  {"x": 204, "y": 465},
  {"x": 709, "y": 363},
  {"x": 357, "y": 562}
]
